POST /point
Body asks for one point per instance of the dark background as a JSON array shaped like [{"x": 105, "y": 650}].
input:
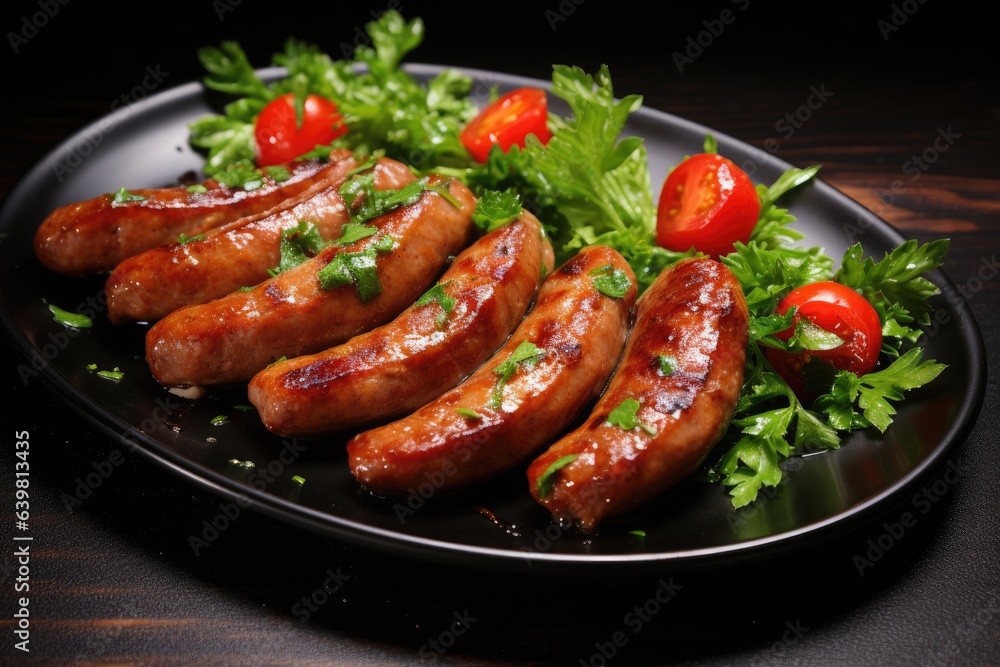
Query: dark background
[{"x": 116, "y": 583}]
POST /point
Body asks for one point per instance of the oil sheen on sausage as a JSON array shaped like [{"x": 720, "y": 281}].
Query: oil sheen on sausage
[
  {"x": 485, "y": 426},
  {"x": 152, "y": 284},
  {"x": 94, "y": 235},
  {"x": 684, "y": 367},
  {"x": 435, "y": 343},
  {"x": 232, "y": 338}
]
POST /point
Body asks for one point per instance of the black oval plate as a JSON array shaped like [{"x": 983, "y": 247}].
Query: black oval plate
[{"x": 494, "y": 525}]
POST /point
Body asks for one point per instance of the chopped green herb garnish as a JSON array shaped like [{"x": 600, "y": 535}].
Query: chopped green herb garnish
[
  {"x": 115, "y": 375},
  {"x": 494, "y": 209},
  {"x": 241, "y": 471},
  {"x": 547, "y": 479},
  {"x": 384, "y": 244},
  {"x": 240, "y": 174},
  {"x": 637, "y": 533},
  {"x": 123, "y": 196},
  {"x": 91, "y": 367},
  {"x": 365, "y": 202},
  {"x": 354, "y": 231},
  {"x": 357, "y": 268},
  {"x": 197, "y": 188},
  {"x": 624, "y": 417},
  {"x": 468, "y": 413},
  {"x": 526, "y": 354},
  {"x": 298, "y": 243},
  {"x": 278, "y": 173},
  {"x": 611, "y": 281},
  {"x": 219, "y": 420},
  {"x": 184, "y": 238},
  {"x": 68, "y": 319},
  {"x": 298, "y": 480},
  {"x": 668, "y": 364},
  {"x": 437, "y": 295}
]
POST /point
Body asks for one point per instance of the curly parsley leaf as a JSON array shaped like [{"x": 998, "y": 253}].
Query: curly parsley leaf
[
  {"x": 874, "y": 392},
  {"x": 773, "y": 425},
  {"x": 494, "y": 209},
  {"x": 298, "y": 244},
  {"x": 897, "y": 280}
]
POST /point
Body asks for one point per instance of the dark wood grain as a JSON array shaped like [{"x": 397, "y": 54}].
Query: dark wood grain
[{"x": 115, "y": 581}]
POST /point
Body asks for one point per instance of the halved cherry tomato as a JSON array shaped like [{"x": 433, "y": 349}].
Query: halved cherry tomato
[
  {"x": 507, "y": 121},
  {"x": 281, "y": 139},
  {"x": 706, "y": 203},
  {"x": 840, "y": 310}
]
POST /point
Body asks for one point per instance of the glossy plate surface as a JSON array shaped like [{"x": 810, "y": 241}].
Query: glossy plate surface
[{"x": 495, "y": 525}]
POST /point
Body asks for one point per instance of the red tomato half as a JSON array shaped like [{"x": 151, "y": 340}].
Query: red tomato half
[
  {"x": 707, "y": 203},
  {"x": 839, "y": 310},
  {"x": 508, "y": 121},
  {"x": 281, "y": 139}
]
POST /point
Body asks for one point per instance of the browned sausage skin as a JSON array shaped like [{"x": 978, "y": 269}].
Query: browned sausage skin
[
  {"x": 494, "y": 419},
  {"x": 150, "y": 285},
  {"x": 434, "y": 344},
  {"x": 232, "y": 338},
  {"x": 94, "y": 235},
  {"x": 694, "y": 319}
]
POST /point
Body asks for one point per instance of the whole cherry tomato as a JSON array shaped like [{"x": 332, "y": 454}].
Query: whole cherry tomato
[
  {"x": 507, "y": 121},
  {"x": 706, "y": 203},
  {"x": 280, "y": 138},
  {"x": 839, "y": 310}
]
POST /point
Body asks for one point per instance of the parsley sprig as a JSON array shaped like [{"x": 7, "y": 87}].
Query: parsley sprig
[{"x": 771, "y": 423}]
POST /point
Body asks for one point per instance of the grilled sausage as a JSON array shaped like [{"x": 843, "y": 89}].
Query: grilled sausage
[
  {"x": 434, "y": 344},
  {"x": 232, "y": 338},
  {"x": 694, "y": 319},
  {"x": 94, "y": 235},
  {"x": 158, "y": 281},
  {"x": 554, "y": 364}
]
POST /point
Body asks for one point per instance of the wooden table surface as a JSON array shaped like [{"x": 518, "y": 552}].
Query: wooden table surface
[{"x": 115, "y": 582}]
